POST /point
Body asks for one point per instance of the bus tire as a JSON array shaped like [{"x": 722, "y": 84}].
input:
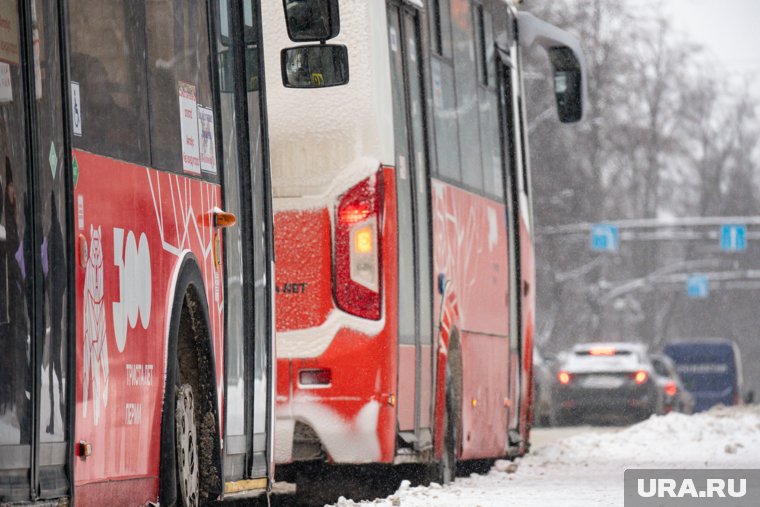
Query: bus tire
[
  {"x": 186, "y": 439},
  {"x": 447, "y": 467},
  {"x": 190, "y": 376}
]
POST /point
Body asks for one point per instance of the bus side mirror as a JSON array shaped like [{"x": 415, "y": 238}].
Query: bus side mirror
[
  {"x": 568, "y": 88},
  {"x": 567, "y": 61},
  {"x": 312, "y": 20},
  {"x": 749, "y": 398},
  {"x": 314, "y": 66}
]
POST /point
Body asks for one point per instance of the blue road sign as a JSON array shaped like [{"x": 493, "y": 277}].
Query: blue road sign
[
  {"x": 698, "y": 286},
  {"x": 733, "y": 237},
  {"x": 604, "y": 238}
]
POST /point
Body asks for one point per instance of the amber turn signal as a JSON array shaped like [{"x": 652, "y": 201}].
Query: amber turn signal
[{"x": 224, "y": 219}]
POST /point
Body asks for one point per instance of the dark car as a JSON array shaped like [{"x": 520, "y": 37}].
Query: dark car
[
  {"x": 710, "y": 369},
  {"x": 675, "y": 396},
  {"x": 610, "y": 381}
]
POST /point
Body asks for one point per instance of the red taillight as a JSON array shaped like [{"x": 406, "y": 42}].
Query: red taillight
[
  {"x": 322, "y": 377},
  {"x": 355, "y": 212},
  {"x": 357, "y": 271},
  {"x": 563, "y": 377},
  {"x": 640, "y": 376},
  {"x": 671, "y": 389}
]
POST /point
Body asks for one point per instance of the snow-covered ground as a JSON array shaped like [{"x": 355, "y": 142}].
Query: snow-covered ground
[{"x": 587, "y": 469}]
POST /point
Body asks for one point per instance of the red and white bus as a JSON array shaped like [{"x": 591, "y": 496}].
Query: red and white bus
[
  {"x": 136, "y": 318},
  {"x": 403, "y": 235}
]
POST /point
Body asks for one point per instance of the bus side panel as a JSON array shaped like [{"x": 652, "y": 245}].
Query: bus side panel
[
  {"x": 354, "y": 416},
  {"x": 470, "y": 249},
  {"x": 304, "y": 268},
  {"x": 125, "y": 492},
  {"x": 133, "y": 225},
  {"x": 528, "y": 269},
  {"x": 484, "y": 391}
]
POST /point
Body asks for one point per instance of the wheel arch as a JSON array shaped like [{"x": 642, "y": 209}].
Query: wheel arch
[
  {"x": 188, "y": 337},
  {"x": 449, "y": 363}
]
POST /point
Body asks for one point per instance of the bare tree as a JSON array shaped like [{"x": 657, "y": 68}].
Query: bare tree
[{"x": 664, "y": 133}]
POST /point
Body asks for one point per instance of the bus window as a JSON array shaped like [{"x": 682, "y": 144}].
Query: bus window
[
  {"x": 177, "y": 56},
  {"x": 467, "y": 94},
  {"x": 107, "y": 61},
  {"x": 440, "y": 27}
]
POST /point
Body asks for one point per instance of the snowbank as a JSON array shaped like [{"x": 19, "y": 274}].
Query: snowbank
[{"x": 587, "y": 469}]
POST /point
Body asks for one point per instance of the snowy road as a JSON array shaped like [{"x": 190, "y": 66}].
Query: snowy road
[
  {"x": 539, "y": 437},
  {"x": 586, "y": 469}
]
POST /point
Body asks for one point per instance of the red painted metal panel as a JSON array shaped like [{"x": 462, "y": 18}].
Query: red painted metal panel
[
  {"x": 484, "y": 389},
  {"x": 134, "y": 224},
  {"x": 354, "y": 416},
  {"x": 304, "y": 268},
  {"x": 127, "y": 493},
  {"x": 470, "y": 249}
]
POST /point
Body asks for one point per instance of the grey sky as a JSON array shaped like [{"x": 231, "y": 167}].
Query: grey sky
[{"x": 729, "y": 30}]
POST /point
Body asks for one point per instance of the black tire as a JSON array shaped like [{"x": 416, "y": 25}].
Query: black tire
[
  {"x": 447, "y": 466},
  {"x": 196, "y": 355}
]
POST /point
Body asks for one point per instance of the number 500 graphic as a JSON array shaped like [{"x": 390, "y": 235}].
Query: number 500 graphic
[{"x": 133, "y": 261}]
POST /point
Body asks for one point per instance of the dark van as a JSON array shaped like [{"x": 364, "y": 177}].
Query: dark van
[{"x": 710, "y": 369}]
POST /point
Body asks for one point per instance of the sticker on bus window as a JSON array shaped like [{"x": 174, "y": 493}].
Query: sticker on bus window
[
  {"x": 6, "y": 85},
  {"x": 188, "y": 119},
  {"x": 9, "y": 41},
  {"x": 208, "y": 146},
  {"x": 76, "y": 109}
]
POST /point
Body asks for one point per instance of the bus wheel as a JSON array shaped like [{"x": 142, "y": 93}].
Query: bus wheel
[
  {"x": 448, "y": 465},
  {"x": 186, "y": 442}
]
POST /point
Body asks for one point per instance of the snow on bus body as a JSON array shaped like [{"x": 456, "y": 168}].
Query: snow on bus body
[
  {"x": 314, "y": 162},
  {"x": 138, "y": 225}
]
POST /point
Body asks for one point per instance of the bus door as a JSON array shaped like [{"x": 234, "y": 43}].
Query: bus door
[
  {"x": 247, "y": 247},
  {"x": 415, "y": 377},
  {"x": 525, "y": 281},
  {"x": 34, "y": 272},
  {"x": 512, "y": 163}
]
